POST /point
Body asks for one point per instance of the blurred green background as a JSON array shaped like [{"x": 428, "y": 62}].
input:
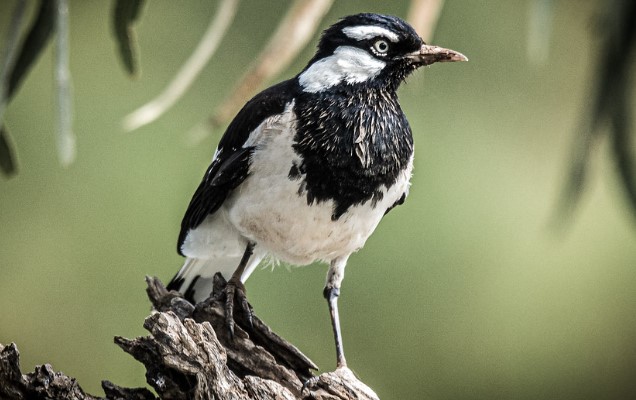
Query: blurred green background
[{"x": 462, "y": 293}]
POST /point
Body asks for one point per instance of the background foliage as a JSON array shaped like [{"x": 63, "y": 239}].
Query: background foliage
[{"x": 463, "y": 292}]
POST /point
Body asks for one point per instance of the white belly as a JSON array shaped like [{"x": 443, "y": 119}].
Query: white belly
[{"x": 268, "y": 209}]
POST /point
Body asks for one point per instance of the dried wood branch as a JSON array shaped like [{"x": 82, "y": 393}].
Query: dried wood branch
[
  {"x": 43, "y": 383},
  {"x": 189, "y": 355}
]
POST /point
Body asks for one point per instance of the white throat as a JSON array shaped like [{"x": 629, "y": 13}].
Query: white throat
[{"x": 346, "y": 64}]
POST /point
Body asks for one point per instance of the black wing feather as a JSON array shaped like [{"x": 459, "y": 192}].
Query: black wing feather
[{"x": 231, "y": 165}]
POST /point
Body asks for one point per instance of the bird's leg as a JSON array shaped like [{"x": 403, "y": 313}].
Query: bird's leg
[
  {"x": 331, "y": 293},
  {"x": 236, "y": 288}
]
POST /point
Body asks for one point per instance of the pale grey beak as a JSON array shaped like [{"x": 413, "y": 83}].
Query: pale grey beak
[{"x": 428, "y": 55}]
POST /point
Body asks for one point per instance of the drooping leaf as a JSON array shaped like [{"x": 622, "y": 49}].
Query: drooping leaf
[
  {"x": 125, "y": 13},
  {"x": 7, "y": 157},
  {"x": 623, "y": 148},
  {"x": 608, "y": 103},
  {"x": 39, "y": 34}
]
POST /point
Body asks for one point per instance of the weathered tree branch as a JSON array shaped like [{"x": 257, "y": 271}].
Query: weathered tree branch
[{"x": 189, "y": 355}]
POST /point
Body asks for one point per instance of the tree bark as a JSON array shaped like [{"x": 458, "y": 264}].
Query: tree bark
[{"x": 190, "y": 355}]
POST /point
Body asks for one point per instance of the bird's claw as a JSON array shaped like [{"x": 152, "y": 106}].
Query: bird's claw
[
  {"x": 310, "y": 384},
  {"x": 236, "y": 290}
]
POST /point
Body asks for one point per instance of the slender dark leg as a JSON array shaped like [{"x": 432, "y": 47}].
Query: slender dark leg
[
  {"x": 331, "y": 293},
  {"x": 236, "y": 288}
]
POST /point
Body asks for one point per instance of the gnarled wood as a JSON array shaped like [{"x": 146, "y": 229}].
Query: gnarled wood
[{"x": 189, "y": 355}]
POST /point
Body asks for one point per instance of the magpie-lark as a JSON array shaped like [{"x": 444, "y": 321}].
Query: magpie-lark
[{"x": 308, "y": 168}]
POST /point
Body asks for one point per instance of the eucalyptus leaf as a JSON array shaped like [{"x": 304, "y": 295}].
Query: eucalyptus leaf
[
  {"x": 125, "y": 13},
  {"x": 7, "y": 157},
  {"x": 39, "y": 34},
  {"x": 623, "y": 147},
  {"x": 609, "y": 102}
]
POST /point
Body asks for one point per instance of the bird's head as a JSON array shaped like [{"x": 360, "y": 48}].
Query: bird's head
[{"x": 370, "y": 49}]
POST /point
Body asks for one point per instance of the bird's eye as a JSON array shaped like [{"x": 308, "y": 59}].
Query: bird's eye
[{"x": 381, "y": 46}]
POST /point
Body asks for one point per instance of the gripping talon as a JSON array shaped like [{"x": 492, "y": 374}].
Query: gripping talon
[
  {"x": 247, "y": 308},
  {"x": 235, "y": 290},
  {"x": 229, "y": 307}
]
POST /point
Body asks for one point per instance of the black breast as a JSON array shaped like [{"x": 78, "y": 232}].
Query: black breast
[{"x": 351, "y": 143}]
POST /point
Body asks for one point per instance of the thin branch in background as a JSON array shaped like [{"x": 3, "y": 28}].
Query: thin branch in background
[
  {"x": 292, "y": 35},
  {"x": 188, "y": 72},
  {"x": 423, "y": 16},
  {"x": 540, "y": 21},
  {"x": 64, "y": 130},
  {"x": 125, "y": 13}
]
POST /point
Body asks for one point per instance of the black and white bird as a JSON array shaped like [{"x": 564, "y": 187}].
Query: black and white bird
[{"x": 308, "y": 168}]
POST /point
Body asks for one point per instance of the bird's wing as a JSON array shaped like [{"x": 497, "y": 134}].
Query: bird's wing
[{"x": 231, "y": 163}]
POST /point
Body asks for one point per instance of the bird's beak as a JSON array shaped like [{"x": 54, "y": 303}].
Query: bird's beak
[{"x": 428, "y": 55}]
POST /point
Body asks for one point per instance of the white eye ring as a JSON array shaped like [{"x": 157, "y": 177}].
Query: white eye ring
[{"x": 381, "y": 46}]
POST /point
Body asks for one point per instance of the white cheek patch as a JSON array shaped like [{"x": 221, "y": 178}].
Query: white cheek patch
[
  {"x": 364, "y": 32},
  {"x": 346, "y": 64}
]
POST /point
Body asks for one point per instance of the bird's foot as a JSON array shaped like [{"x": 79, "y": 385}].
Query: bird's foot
[
  {"x": 313, "y": 382},
  {"x": 341, "y": 383},
  {"x": 310, "y": 384},
  {"x": 235, "y": 291}
]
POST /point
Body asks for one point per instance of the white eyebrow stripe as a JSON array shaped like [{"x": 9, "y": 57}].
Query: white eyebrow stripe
[
  {"x": 362, "y": 32},
  {"x": 347, "y": 64}
]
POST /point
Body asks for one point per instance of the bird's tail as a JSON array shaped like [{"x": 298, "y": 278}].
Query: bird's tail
[{"x": 194, "y": 279}]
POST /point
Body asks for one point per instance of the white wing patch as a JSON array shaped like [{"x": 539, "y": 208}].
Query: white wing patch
[
  {"x": 346, "y": 64},
  {"x": 363, "y": 32}
]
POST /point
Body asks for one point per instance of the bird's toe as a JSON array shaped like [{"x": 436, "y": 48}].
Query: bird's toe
[{"x": 235, "y": 293}]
